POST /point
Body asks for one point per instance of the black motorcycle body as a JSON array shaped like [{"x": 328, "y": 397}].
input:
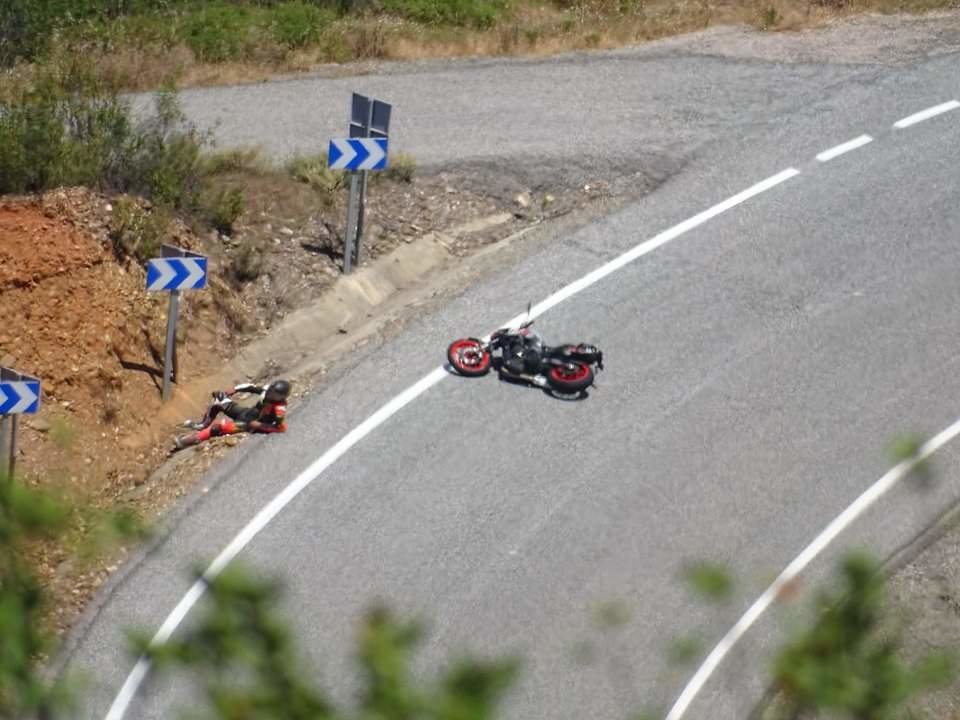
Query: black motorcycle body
[{"x": 569, "y": 368}]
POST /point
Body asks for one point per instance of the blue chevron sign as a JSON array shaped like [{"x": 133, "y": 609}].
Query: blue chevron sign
[
  {"x": 177, "y": 273},
  {"x": 20, "y": 396},
  {"x": 358, "y": 154}
]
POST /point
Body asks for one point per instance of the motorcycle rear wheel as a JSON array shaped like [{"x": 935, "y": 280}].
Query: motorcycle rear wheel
[{"x": 570, "y": 379}]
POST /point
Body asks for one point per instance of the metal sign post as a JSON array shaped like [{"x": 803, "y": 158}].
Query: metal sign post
[
  {"x": 369, "y": 119},
  {"x": 350, "y": 236},
  {"x": 377, "y": 125},
  {"x": 13, "y": 445},
  {"x": 177, "y": 269},
  {"x": 7, "y": 451},
  {"x": 173, "y": 312},
  {"x": 19, "y": 394},
  {"x": 355, "y": 154}
]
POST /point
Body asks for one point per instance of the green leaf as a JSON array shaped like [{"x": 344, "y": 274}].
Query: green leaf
[{"x": 710, "y": 581}]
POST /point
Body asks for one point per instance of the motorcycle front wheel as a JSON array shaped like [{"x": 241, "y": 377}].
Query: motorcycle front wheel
[
  {"x": 572, "y": 377},
  {"x": 469, "y": 357}
]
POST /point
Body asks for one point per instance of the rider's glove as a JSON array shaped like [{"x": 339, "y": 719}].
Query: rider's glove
[{"x": 245, "y": 387}]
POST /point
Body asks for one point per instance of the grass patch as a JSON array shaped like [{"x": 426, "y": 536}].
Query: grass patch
[
  {"x": 312, "y": 170},
  {"x": 296, "y": 25},
  {"x": 460, "y": 13},
  {"x": 143, "y": 42},
  {"x": 236, "y": 160},
  {"x": 136, "y": 232},
  {"x": 62, "y": 433},
  {"x": 224, "y": 209},
  {"x": 401, "y": 168},
  {"x": 220, "y": 31},
  {"x": 247, "y": 263}
]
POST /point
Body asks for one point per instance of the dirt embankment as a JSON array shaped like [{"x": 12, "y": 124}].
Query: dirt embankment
[{"x": 80, "y": 320}]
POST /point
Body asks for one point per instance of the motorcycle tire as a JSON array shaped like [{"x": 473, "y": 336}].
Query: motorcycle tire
[
  {"x": 566, "y": 380},
  {"x": 468, "y": 357}
]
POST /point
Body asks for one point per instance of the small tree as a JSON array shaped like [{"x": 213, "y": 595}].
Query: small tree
[
  {"x": 848, "y": 661},
  {"x": 25, "y": 515}
]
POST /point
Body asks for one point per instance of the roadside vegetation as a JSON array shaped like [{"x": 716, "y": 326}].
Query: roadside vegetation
[
  {"x": 143, "y": 43},
  {"x": 79, "y": 169},
  {"x": 63, "y": 123}
]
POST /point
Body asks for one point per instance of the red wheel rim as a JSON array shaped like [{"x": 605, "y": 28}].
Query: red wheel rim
[
  {"x": 564, "y": 374},
  {"x": 468, "y": 355}
]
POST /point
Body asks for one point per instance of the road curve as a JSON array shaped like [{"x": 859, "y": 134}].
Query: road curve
[{"x": 757, "y": 365}]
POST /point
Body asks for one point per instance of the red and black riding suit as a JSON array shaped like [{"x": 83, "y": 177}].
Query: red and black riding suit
[{"x": 267, "y": 416}]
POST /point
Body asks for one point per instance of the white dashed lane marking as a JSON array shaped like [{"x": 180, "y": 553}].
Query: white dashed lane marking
[
  {"x": 926, "y": 114},
  {"x": 837, "y": 150}
]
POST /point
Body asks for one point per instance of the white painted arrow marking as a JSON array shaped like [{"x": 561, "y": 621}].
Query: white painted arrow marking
[
  {"x": 377, "y": 152},
  {"x": 19, "y": 392},
  {"x": 27, "y": 397},
  {"x": 196, "y": 273},
  {"x": 166, "y": 274},
  {"x": 347, "y": 154}
]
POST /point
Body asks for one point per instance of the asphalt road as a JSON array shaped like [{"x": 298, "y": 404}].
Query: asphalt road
[{"x": 757, "y": 367}]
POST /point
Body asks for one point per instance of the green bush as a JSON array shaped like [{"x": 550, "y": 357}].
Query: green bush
[
  {"x": 151, "y": 28},
  {"x": 298, "y": 24},
  {"x": 314, "y": 171},
  {"x": 465, "y": 13},
  {"x": 247, "y": 263},
  {"x": 66, "y": 127},
  {"x": 135, "y": 232},
  {"x": 27, "y": 25},
  {"x": 401, "y": 167},
  {"x": 219, "y": 31},
  {"x": 224, "y": 209},
  {"x": 164, "y": 160},
  {"x": 250, "y": 160}
]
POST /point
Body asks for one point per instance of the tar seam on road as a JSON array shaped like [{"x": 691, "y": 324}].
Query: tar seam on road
[
  {"x": 139, "y": 672},
  {"x": 821, "y": 541},
  {"x": 927, "y": 114},
  {"x": 838, "y": 150}
]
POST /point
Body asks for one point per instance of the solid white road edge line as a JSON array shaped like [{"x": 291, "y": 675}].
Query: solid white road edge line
[
  {"x": 927, "y": 114},
  {"x": 837, "y": 150},
  {"x": 260, "y": 520},
  {"x": 839, "y": 524}
]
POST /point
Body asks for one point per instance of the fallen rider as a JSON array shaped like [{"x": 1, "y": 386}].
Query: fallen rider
[{"x": 267, "y": 416}]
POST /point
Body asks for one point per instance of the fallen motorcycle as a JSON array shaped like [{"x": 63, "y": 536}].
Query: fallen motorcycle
[{"x": 568, "y": 369}]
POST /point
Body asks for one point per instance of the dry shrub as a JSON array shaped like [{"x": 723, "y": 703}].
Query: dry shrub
[{"x": 247, "y": 261}]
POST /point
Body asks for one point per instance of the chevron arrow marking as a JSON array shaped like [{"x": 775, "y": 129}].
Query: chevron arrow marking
[
  {"x": 197, "y": 277},
  {"x": 340, "y": 154},
  {"x": 159, "y": 274},
  {"x": 357, "y": 154},
  {"x": 362, "y": 151},
  {"x": 177, "y": 273},
  {"x": 180, "y": 273},
  {"x": 378, "y": 155},
  {"x": 19, "y": 397}
]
